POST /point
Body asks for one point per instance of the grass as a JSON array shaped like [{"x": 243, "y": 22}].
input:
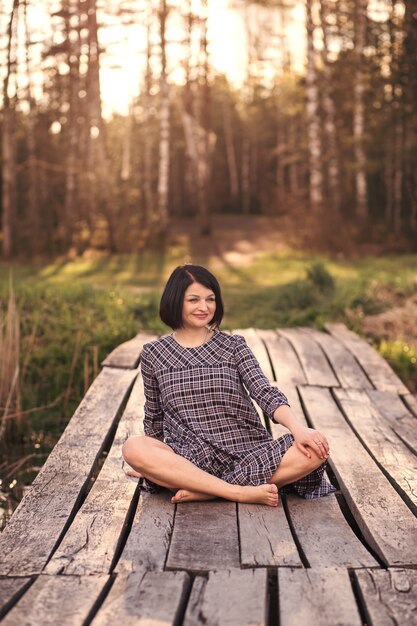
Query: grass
[{"x": 73, "y": 313}]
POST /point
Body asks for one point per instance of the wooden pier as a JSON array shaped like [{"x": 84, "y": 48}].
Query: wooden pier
[{"x": 86, "y": 546}]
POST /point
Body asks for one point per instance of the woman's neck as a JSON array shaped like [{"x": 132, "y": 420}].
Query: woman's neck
[{"x": 192, "y": 337}]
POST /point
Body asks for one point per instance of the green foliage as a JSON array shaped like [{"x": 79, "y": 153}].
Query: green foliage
[{"x": 321, "y": 277}]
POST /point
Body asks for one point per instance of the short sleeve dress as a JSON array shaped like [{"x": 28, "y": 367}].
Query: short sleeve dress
[{"x": 198, "y": 401}]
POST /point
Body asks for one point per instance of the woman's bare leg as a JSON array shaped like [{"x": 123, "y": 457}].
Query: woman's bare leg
[
  {"x": 293, "y": 466},
  {"x": 164, "y": 467}
]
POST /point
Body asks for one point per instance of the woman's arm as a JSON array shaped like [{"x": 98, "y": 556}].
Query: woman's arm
[
  {"x": 274, "y": 402},
  {"x": 153, "y": 423},
  {"x": 304, "y": 437}
]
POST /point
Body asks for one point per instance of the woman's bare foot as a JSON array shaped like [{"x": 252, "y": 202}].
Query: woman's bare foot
[
  {"x": 133, "y": 473},
  {"x": 261, "y": 494},
  {"x": 184, "y": 495}
]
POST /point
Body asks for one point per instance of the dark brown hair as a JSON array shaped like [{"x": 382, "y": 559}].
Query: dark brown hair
[{"x": 170, "y": 308}]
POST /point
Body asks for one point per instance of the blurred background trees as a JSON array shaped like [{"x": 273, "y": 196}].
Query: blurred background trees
[{"x": 323, "y": 122}]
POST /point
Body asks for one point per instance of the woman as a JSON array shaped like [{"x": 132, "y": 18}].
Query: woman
[{"x": 203, "y": 435}]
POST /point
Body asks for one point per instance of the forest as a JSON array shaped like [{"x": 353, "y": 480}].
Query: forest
[{"x": 322, "y": 120}]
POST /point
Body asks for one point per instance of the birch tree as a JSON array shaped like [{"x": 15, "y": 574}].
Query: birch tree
[
  {"x": 359, "y": 110},
  {"x": 313, "y": 119},
  {"x": 164, "y": 129}
]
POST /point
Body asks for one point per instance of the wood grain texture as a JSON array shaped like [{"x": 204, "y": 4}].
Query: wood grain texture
[
  {"x": 82, "y": 440},
  {"x": 411, "y": 401},
  {"x": 39, "y": 521},
  {"x": 389, "y": 596},
  {"x": 377, "y": 369},
  {"x": 148, "y": 541},
  {"x": 381, "y": 441},
  {"x": 325, "y": 537},
  {"x": 127, "y": 355},
  {"x": 229, "y": 598},
  {"x": 145, "y": 599},
  {"x": 257, "y": 346},
  {"x": 52, "y": 600},
  {"x": 315, "y": 365},
  {"x": 322, "y": 597},
  {"x": 90, "y": 543},
  {"x": 398, "y": 415},
  {"x": 384, "y": 519},
  {"x": 10, "y": 591},
  {"x": 265, "y": 537},
  {"x": 286, "y": 364},
  {"x": 205, "y": 537},
  {"x": 346, "y": 367}
]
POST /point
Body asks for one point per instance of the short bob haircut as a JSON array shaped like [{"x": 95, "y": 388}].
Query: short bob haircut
[{"x": 170, "y": 309}]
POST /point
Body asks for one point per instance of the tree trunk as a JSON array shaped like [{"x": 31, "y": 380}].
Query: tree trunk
[
  {"x": 164, "y": 129},
  {"x": 230, "y": 150},
  {"x": 359, "y": 111},
  {"x": 147, "y": 136},
  {"x": 8, "y": 142},
  {"x": 97, "y": 128},
  {"x": 313, "y": 120},
  {"x": 333, "y": 174}
]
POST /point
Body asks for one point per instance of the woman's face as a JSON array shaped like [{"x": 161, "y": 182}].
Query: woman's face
[{"x": 199, "y": 306}]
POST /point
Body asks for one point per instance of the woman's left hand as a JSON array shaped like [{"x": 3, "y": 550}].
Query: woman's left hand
[{"x": 310, "y": 438}]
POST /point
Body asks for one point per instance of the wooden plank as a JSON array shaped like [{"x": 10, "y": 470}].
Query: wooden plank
[
  {"x": 41, "y": 517},
  {"x": 82, "y": 440},
  {"x": 10, "y": 591},
  {"x": 287, "y": 367},
  {"x": 389, "y": 596},
  {"x": 127, "y": 354},
  {"x": 377, "y": 369},
  {"x": 265, "y": 537},
  {"x": 131, "y": 424},
  {"x": 52, "y": 600},
  {"x": 322, "y": 597},
  {"x": 347, "y": 369},
  {"x": 148, "y": 540},
  {"x": 205, "y": 537},
  {"x": 90, "y": 543},
  {"x": 229, "y": 598},
  {"x": 258, "y": 348},
  {"x": 145, "y": 598},
  {"x": 313, "y": 361},
  {"x": 324, "y": 535},
  {"x": 384, "y": 519},
  {"x": 411, "y": 401},
  {"x": 399, "y": 417},
  {"x": 382, "y": 443}
]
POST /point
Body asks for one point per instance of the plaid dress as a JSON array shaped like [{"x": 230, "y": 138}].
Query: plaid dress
[{"x": 197, "y": 403}]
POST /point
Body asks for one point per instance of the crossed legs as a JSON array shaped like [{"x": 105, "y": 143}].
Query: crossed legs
[{"x": 158, "y": 462}]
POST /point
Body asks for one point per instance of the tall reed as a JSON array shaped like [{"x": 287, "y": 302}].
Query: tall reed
[{"x": 10, "y": 403}]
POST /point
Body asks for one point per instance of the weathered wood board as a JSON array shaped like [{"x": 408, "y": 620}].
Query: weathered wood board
[
  {"x": 322, "y": 597},
  {"x": 378, "y": 371},
  {"x": 229, "y": 598},
  {"x": 389, "y": 596},
  {"x": 42, "y": 516},
  {"x": 396, "y": 460},
  {"x": 384, "y": 519},
  {"x": 127, "y": 355},
  {"x": 324, "y": 535},
  {"x": 148, "y": 541},
  {"x": 145, "y": 599},
  {"x": 10, "y": 591},
  {"x": 345, "y": 366},
  {"x": 52, "y": 600},
  {"x": 205, "y": 537},
  {"x": 315, "y": 365},
  {"x": 265, "y": 537},
  {"x": 398, "y": 415}
]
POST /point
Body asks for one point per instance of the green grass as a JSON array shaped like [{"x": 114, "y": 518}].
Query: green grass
[{"x": 104, "y": 301}]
